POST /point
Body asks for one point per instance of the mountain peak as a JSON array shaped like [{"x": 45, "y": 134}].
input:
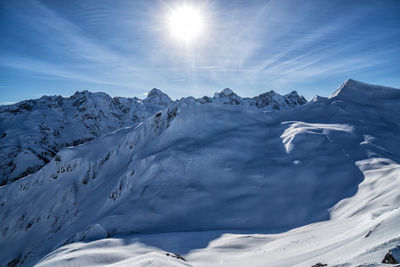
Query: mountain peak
[
  {"x": 294, "y": 92},
  {"x": 157, "y": 97},
  {"x": 154, "y": 92},
  {"x": 294, "y": 97},
  {"x": 349, "y": 83},
  {"x": 227, "y": 96},
  {"x": 83, "y": 92},
  {"x": 363, "y": 93},
  {"x": 227, "y": 92},
  {"x": 88, "y": 93}
]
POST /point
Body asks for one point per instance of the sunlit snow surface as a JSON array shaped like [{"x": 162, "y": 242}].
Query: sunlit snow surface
[{"x": 221, "y": 186}]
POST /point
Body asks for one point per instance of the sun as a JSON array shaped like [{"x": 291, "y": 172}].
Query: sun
[{"x": 186, "y": 23}]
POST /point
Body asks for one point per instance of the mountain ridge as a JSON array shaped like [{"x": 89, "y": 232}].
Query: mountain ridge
[{"x": 46, "y": 123}]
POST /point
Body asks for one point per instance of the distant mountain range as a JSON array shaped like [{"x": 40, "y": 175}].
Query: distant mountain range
[{"x": 33, "y": 131}]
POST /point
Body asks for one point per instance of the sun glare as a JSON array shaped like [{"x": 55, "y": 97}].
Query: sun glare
[{"x": 186, "y": 23}]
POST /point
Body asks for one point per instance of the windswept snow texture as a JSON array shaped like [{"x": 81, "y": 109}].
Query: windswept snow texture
[
  {"x": 209, "y": 182},
  {"x": 33, "y": 131}
]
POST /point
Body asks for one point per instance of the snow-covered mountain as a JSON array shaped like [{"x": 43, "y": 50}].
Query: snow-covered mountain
[
  {"x": 220, "y": 184},
  {"x": 33, "y": 131},
  {"x": 268, "y": 101}
]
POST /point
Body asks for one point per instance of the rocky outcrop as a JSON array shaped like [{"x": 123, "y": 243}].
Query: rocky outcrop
[{"x": 393, "y": 256}]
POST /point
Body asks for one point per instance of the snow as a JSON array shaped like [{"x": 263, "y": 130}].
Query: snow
[
  {"x": 362, "y": 93},
  {"x": 220, "y": 185},
  {"x": 33, "y": 131},
  {"x": 267, "y": 101},
  {"x": 300, "y": 131},
  {"x": 155, "y": 96}
]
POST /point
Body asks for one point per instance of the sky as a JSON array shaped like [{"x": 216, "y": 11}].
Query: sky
[{"x": 125, "y": 47}]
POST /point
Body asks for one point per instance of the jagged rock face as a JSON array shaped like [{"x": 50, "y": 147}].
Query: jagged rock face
[
  {"x": 393, "y": 256},
  {"x": 33, "y": 131},
  {"x": 293, "y": 99}
]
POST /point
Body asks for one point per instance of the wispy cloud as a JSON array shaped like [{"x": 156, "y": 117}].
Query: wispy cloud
[
  {"x": 209, "y": 67},
  {"x": 85, "y": 58},
  {"x": 6, "y": 103},
  {"x": 250, "y": 46}
]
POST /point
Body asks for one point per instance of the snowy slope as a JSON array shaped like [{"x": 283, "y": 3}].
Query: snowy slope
[
  {"x": 33, "y": 131},
  {"x": 330, "y": 167}
]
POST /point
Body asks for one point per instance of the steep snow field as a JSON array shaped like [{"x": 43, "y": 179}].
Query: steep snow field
[{"x": 221, "y": 185}]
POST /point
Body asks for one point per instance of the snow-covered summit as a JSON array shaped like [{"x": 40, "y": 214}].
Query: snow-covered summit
[
  {"x": 227, "y": 96},
  {"x": 156, "y": 96},
  {"x": 364, "y": 93},
  {"x": 227, "y": 92}
]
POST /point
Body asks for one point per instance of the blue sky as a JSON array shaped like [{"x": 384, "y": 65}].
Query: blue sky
[{"x": 124, "y": 48}]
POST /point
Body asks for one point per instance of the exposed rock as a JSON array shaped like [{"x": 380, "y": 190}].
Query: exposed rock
[
  {"x": 393, "y": 256},
  {"x": 176, "y": 256}
]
